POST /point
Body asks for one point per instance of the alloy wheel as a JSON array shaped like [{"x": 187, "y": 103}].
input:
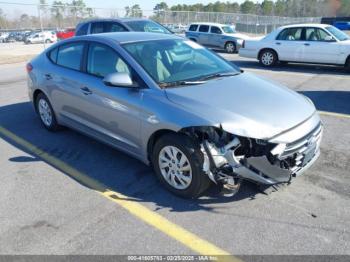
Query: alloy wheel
[
  {"x": 45, "y": 112},
  {"x": 175, "y": 167}
]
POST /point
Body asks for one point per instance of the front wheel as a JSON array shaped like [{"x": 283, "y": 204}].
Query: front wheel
[
  {"x": 178, "y": 164},
  {"x": 268, "y": 58},
  {"x": 230, "y": 47}
]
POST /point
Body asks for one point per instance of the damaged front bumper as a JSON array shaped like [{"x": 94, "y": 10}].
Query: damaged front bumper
[{"x": 259, "y": 161}]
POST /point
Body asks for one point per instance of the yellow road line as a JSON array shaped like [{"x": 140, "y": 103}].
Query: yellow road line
[
  {"x": 174, "y": 231},
  {"x": 325, "y": 113}
]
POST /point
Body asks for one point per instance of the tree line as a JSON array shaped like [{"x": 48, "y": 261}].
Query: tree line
[{"x": 286, "y": 8}]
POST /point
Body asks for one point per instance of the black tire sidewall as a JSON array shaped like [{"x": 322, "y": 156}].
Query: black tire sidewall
[
  {"x": 234, "y": 44},
  {"x": 200, "y": 181},
  {"x": 54, "y": 125},
  {"x": 274, "y": 57}
]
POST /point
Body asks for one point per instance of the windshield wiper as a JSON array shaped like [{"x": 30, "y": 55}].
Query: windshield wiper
[
  {"x": 218, "y": 75},
  {"x": 180, "y": 83}
]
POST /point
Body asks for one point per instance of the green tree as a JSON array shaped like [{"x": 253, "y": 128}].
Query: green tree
[
  {"x": 135, "y": 11},
  {"x": 248, "y": 7},
  {"x": 267, "y": 7}
]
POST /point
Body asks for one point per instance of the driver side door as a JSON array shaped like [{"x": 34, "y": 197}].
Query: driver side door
[{"x": 112, "y": 112}]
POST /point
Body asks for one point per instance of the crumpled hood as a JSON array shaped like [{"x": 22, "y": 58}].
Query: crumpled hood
[{"x": 244, "y": 105}]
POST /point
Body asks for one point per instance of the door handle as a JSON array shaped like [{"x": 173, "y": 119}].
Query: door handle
[
  {"x": 86, "y": 90},
  {"x": 278, "y": 43},
  {"x": 48, "y": 76},
  {"x": 307, "y": 44}
]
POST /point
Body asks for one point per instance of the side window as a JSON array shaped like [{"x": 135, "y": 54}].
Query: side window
[
  {"x": 97, "y": 28},
  {"x": 316, "y": 34},
  {"x": 103, "y": 60},
  {"x": 83, "y": 30},
  {"x": 204, "y": 28},
  {"x": 53, "y": 55},
  {"x": 291, "y": 34},
  {"x": 193, "y": 28},
  {"x": 70, "y": 55},
  {"x": 215, "y": 30},
  {"x": 113, "y": 27}
]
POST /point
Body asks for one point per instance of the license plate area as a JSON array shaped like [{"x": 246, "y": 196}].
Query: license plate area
[{"x": 309, "y": 154}]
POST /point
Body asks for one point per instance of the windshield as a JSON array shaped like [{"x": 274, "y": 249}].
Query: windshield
[
  {"x": 171, "y": 61},
  {"x": 147, "y": 26},
  {"x": 228, "y": 30},
  {"x": 341, "y": 36}
]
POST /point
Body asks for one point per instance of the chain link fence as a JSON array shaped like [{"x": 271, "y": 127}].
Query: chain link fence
[{"x": 23, "y": 16}]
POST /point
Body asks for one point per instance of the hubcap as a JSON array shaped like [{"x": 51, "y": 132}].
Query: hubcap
[
  {"x": 230, "y": 48},
  {"x": 175, "y": 167},
  {"x": 267, "y": 58},
  {"x": 45, "y": 112}
]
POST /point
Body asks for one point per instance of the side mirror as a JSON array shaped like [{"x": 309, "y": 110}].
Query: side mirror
[
  {"x": 329, "y": 38},
  {"x": 118, "y": 80}
]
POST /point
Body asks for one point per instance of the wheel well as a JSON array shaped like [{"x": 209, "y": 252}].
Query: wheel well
[
  {"x": 267, "y": 49},
  {"x": 153, "y": 139},
  {"x": 35, "y": 95},
  {"x": 230, "y": 41},
  {"x": 193, "y": 39},
  {"x": 347, "y": 61}
]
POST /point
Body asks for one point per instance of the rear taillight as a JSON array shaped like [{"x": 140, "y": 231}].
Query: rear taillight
[
  {"x": 29, "y": 67},
  {"x": 243, "y": 44}
]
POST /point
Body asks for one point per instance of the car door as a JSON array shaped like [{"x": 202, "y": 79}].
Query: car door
[
  {"x": 289, "y": 45},
  {"x": 320, "y": 47},
  {"x": 113, "y": 27},
  {"x": 66, "y": 82},
  {"x": 215, "y": 36},
  {"x": 113, "y": 112},
  {"x": 203, "y": 34}
]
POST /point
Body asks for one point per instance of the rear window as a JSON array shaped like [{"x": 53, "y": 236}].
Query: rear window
[
  {"x": 53, "y": 55},
  {"x": 70, "y": 55},
  {"x": 147, "y": 26},
  {"x": 204, "y": 28},
  {"x": 193, "y": 28},
  {"x": 83, "y": 30}
]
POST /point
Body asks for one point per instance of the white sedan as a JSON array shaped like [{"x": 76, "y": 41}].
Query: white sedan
[{"x": 305, "y": 43}]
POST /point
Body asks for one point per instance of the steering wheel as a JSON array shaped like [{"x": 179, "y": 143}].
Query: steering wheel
[{"x": 188, "y": 62}]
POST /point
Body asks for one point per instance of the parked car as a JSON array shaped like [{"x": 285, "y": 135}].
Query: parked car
[
  {"x": 169, "y": 101},
  {"x": 305, "y": 43},
  {"x": 97, "y": 26},
  {"x": 216, "y": 36},
  {"x": 3, "y": 37},
  {"x": 342, "y": 25},
  {"x": 65, "y": 34},
  {"x": 177, "y": 28},
  {"x": 41, "y": 37},
  {"x": 11, "y": 38}
]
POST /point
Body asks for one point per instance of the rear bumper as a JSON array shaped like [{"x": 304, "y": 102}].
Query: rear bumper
[{"x": 248, "y": 53}]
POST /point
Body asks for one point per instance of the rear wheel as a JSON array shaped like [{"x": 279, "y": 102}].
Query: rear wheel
[
  {"x": 178, "y": 163},
  {"x": 347, "y": 65},
  {"x": 230, "y": 47},
  {"x": 268, "y": 58},
  {"x": 46, "y": 113}
]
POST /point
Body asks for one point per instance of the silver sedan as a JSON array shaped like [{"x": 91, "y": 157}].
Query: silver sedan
[{"x": 196, "y": 118}]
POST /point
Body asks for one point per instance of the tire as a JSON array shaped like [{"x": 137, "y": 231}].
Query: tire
[
  {"x": 347, "y": 65},
  {"x": 192, "y": 168},
  {"x": 46, "y": 114},
  {"x": 47, "y": 41},
  {"x": 230, "y": 47},
  {"x": 268, "y": 58}
]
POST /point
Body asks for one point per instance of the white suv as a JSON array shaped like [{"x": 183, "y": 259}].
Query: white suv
[{"x": 42, "y": 37}]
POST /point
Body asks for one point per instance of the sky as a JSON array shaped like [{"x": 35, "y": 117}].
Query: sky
[{"x": 14, "y": 10}]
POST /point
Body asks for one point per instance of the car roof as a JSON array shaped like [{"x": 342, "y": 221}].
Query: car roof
[
  {"x": 306, "y": 25},
  {"x": 210, "y": 24},
  {"x": 127, "y": 37},
  {"x": 121, "y": 20}
]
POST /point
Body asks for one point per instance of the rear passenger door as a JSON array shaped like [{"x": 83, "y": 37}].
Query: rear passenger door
[
  {"x": 289, "y": 44},
  {"x": 203, "y": 34},
  {"x": 66, "y": 82},
  {"x": 106, "y": 27}
]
